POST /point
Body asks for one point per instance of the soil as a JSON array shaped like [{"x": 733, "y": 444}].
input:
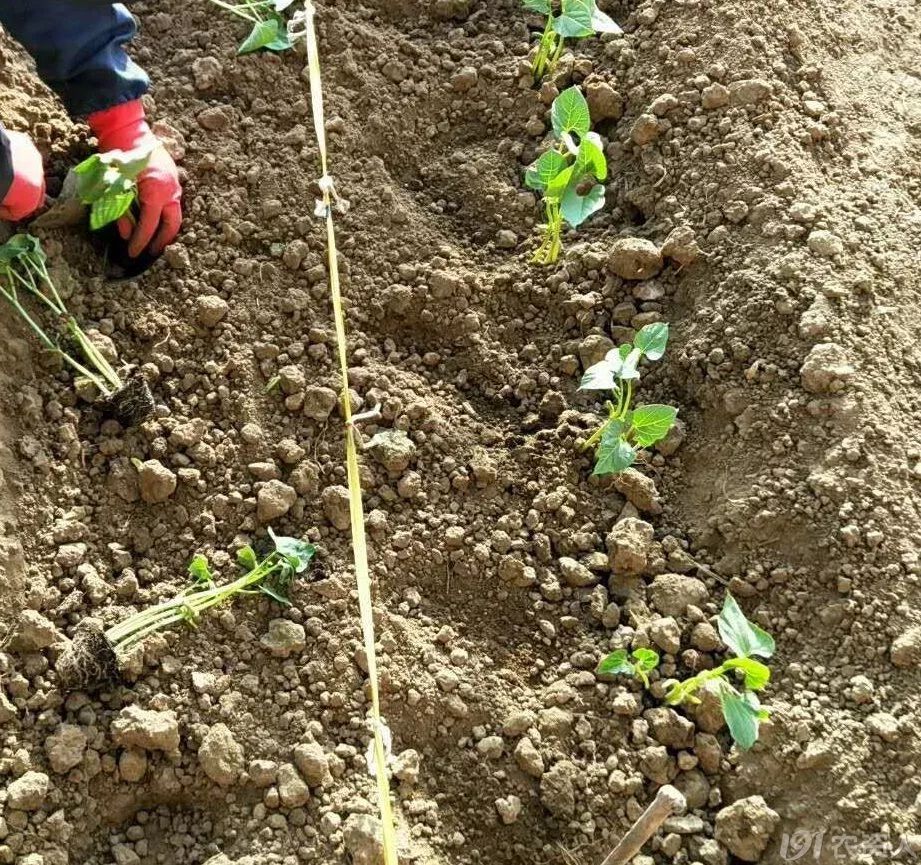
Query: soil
[{"x": 781, "y": 138}]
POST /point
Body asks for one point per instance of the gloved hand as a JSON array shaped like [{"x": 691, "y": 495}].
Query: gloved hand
[
  {"x": 27, "y": 191},
  {"x": 124, "y": 127}
]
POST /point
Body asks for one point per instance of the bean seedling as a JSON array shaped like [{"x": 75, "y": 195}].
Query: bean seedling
[
  {"x": 92, "y": 657},
  {"x": 627, "y": 429},
  {"x": 742, "y": 710},
  {"x": 23, "y": 268},
  {"x": 577, "y": 18},
  {"x": 107, "y": 182},
  {"x": 566, "y": 174},
  {"x": 638, "y": 663},
  {"x": 269, "y": 30}
]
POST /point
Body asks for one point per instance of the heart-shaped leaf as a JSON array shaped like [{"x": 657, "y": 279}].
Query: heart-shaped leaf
[
  {"x": 742, "y": 716},
  {"x": 652, "y": 339},
  {"x": 577, "y": 208},
  {"x": 599, "y": 376},
  {"x": 263, "y": 34},
  {"x": 541, "y": 172},
  {"x": 614, "y": 454},
  {"x": 651, "y": 423},
  {"x": 570, "y": 113},
  {"x": 298, "y": 553},
  {"x": 590, "y": 157},
  {"x": 602, "y": 23},
  {"x": 646, "y": 659},
  {"x": 743, "y": 637},
  {"x": 615, "y": 663},
  {"x": 575, "y": 19}
]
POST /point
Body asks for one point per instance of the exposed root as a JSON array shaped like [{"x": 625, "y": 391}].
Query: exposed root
[
  {"x": 89, "y": 662},
  {"x": 131, "y": 405}
]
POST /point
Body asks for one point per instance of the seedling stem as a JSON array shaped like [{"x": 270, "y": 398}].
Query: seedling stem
[{"x": 618, "y": 439}]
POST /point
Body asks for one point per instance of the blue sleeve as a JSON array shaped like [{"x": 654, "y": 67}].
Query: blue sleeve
[{"x": 79, "y": 50}]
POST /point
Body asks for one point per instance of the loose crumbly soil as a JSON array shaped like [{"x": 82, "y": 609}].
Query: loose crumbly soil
[{"x": 786, "y": 136}]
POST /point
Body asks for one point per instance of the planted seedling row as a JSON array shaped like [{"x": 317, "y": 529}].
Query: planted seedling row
[{"x": 736, "y": 681}]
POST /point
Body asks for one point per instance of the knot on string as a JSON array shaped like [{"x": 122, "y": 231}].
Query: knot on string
[
  {"x": 298, "y": 26},
  {"x": 328, "y": 187}
]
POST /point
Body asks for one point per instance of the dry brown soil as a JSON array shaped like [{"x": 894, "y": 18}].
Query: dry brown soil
[{"x": 786, "y": 135}]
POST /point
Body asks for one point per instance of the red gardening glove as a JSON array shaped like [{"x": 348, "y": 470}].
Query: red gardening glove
[
  {"x": 124, "y": 127},
  {"x": 27, "y": 191}
]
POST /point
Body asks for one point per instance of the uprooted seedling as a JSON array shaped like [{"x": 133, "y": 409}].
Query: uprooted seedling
[
  {"x": 269, "y": 30},
  {"x": 107, "y": 183},
  {"x": 567, "y": 175},
  {"x": 742, "y": 709},
  {"x": 24, "y": 273},
  {"x": 576, "y": 18},
  {"x": 92, "y": 658},
  {"x": 639, "y": 663},
  {"x": 618, "y": 440}
]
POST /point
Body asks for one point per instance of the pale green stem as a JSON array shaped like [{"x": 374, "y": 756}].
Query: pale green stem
[
  {"x": 93, "y": 355},
  {"x": 38, "y": 267},
  {"x": 238, "y": 9},
  {"x": 146, "y": 622},
  {"x": 49, "y": 343}
]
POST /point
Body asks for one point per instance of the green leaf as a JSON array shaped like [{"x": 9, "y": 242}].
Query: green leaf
[
  {"x": 614, "y": 453},
  {"x": 199, "y": 570},
  {"x": 629, "y": 369},
  {"x": 599, "y": 376},
  {"x": 646, "y": 659},
  {"x": 742, "y": 636},
  {"x": 22, "y": 246},
  {"x": 615, "y": 663},
  {"x": 757, "y": 675},
  {"x": 107, "y": 182},
  {"x": 263, "y": 34},
  {"x": 558, "y": 185},
  {"x": 282, "y": 43},
  {"x": 541, "y": 172},
  {"x": 90, "y": 176},
  {"x": 741, "y": 716},
  {"x": 276, "y": 586},
  {"x": 247, "y": 558},
  {"x": 577, "y": 208},
  {"x": 575, "y": 18},
  {"x": 570, "y": 113},
  {"x": 298, "y": 553},
  {"x": 125, "y": 164},
  {"x": 602, "y": 23},
  {"x": 110, "y": 207},
  {"x": 651, "y": 423},
  {"x": 590, "y": 157},
  {"x": 542, "y": 6},
  {"x": 652, "y": 339}
]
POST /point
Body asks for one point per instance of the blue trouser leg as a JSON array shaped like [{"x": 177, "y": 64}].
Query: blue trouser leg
[{"x": 79, "y": 51}]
